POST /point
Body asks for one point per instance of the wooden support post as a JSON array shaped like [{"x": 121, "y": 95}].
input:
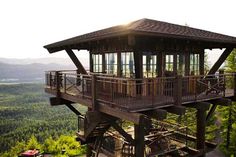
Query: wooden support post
[
  {"x": 201, "y": 129},
  {"x": 220, "y": 61},
  {"x": 138, "y": 64},
  {"x": 119, "y": 64},
  {"x": 139, "y": 140},
  {"x": 201, "y": 62},
  {"x": 94, "y": 93},
  {"x": 201, "y": 107},
  {"x": 187, "y": 64},
  {"x": 89, "y": 151},
  {"x": 160, "y": 64},
  {"x": 103, "y": 63},
  {"x": 178, "y": 90},
  {"x": 175, "y": 65},
  {"x": 90, "y": 62},
  {"x": 75, "y": 60}
]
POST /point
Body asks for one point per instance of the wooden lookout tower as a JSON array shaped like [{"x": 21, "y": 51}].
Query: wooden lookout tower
[{"x": 140, "y": 73}]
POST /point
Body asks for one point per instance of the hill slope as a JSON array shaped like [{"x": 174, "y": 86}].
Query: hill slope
[{"x": 27, "y": 72}]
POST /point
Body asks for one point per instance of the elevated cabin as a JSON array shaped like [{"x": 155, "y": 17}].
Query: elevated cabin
[{"x": 138, "y": 72}]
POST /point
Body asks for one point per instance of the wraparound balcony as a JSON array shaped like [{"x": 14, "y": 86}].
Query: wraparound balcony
[{"x": 138, "y": 94}]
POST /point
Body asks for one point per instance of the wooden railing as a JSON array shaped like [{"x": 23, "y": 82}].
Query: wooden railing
[{"x": 141, "y": 93}]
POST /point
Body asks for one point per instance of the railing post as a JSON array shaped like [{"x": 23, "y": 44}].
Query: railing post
[
  {"x": 112, "y": 91},
  {"x": 57, "y": 80},
  {"x": 94, "y": 93},
  {"x": 221, "y": 82},
  {"x": 50, "y": 79},
  {"x": 64, "y": 83},
  {"x": 178, "y": 90}
]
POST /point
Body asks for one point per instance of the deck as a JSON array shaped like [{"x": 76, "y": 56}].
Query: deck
[{"x": 138, "y": 94}]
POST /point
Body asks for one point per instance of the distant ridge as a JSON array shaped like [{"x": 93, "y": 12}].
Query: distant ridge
[
  {"x": 34, "y": 72},
  {"x": 61, "y": 61}
]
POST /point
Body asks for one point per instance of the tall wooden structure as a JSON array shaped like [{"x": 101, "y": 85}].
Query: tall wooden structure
[{"x": 138, "y": 73}]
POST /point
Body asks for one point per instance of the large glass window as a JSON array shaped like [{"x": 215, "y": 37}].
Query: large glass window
[
  {"x": 194, "y": 64},
  {"x": 127, "y": 64},
  {"x": 111, "y": 63},
  {"x": 180, "y": 64},
  {"x": 97, "y": 62},
  {"x": 169, "y": 63},
  {"x": 149, "y": 65}
]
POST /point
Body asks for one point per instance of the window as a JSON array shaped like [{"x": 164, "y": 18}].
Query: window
[
  {"x": 194, "y": 64},
  {"x": 180, "y": 64},
  {"x": 97, "y": 62},
  {"x": 111, "y": 63},
  {"x": 169, "y": 63},
  {"x": 127, "y": 64},
  {"x": 149, "y": 65}
]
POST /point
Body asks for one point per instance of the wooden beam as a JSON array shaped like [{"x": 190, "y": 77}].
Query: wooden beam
[
  {"x": 179, "y": 110},
  {"x": 187, "y": 63},
  {"x": 131, "y": 117},
  {"x": 221, "y": 101},
  {"x": 138, "y": 64},
  {"x": 131, "y": 40},
  {"x": 103, "y": 63},
  {"x": 54, "y": 101},
  {"x": 160, "y": 64},
  {"x": 119, "y": 64},
  {"x": 76, "y": 61},
  {"x": 94, "y": 93},
  {"x": 210, "y": 113},
  {"x": 201, "y": 129},
  {"x": 220, "y": 61},
  {"x": 90, "y": 62},
  {"x": 199, "y": 105},
  {"x": 73, "y": 109},
  {"x": 127, "y": 136},
  {"x": 139, "y": 139},
  {"x": 201, "y": 62},
  {"x": 194, "y": 139},
  {"x": 158, "y": 114},
  {"x": 128, "y": 116}
]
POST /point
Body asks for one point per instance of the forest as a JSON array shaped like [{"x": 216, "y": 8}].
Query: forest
[{"x": 27, "y": 119}]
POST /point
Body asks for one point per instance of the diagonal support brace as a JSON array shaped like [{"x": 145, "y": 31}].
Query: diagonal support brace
[{"x": 76, "y": 61}]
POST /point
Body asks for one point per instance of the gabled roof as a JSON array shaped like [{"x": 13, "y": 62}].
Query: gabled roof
[{"x": 146, "y": 27}]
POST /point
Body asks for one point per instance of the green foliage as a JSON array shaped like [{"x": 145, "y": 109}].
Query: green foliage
[
  {"x": 230, "y": 62},
  {"x": 224, "y": 113},
  {"x": 25, "y": 112},
  {"x": 33, "y": 143},
  {"x": 63, "y": 146}
]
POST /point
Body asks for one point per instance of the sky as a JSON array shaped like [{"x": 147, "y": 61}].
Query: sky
[{"x": 27, "y": 25}]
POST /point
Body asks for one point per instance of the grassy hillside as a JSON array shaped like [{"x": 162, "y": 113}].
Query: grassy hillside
[{"x": 25, "y": 111}]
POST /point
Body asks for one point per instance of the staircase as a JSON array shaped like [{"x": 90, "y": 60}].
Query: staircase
[{"x": 94, "y": 125}]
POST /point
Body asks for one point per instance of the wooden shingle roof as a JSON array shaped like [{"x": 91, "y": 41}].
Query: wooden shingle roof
[{"x": 146, "y": 27}]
